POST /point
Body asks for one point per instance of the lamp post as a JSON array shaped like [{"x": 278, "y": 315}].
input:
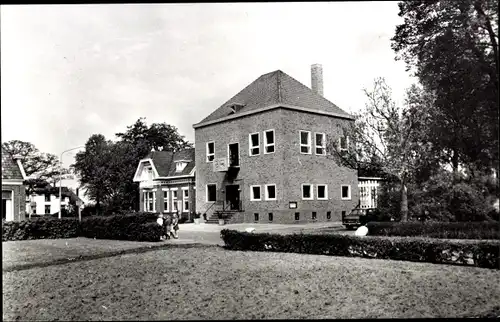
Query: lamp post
[{"x": 60, "y": 179}]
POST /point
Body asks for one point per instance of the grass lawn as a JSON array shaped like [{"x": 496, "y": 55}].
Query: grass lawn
[{"x": 213, "y": 283}]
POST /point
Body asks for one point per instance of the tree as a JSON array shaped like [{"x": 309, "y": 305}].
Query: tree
[
  {"x": 452, "y": 47},
  {"x": 92, "y": 167},
  {"x": 39, "y": 167},
  {"x": 389, "y": 137}
]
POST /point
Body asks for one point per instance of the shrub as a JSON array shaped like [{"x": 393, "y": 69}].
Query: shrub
[
  {"x": 40, "y": 228},
  {"x": 448, "y": 230},
  {"x": 135, "y": 226},
  {"x": 480, "y": 254}
]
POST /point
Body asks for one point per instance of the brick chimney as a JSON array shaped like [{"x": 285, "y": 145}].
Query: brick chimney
[{"x": 317, "y": 79}]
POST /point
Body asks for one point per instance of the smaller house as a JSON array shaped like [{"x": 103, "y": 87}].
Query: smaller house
[
  {"x": 167, "y": 182},
  {"x": 45, "y": 200},
  {"x": 13, "y": 188}
]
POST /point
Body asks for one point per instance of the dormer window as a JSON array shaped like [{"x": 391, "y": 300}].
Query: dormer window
[
  {"x": 149, "y": 172},
  {"x": 235, "y": 107},
  {"x": 180, "y": 165}
]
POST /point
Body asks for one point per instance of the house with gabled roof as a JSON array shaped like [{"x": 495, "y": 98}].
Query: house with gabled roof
[
  {"x": 262, "y": 156},
  {"x": 167, "y": 182},
  {"x": 13, "y": 188}
]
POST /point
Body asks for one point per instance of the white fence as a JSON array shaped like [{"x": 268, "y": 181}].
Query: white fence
[{"x": 368, "y": 190}]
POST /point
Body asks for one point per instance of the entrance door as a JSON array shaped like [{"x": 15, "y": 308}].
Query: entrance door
[
  {"x": 7, "y": 208},
  {"x": 233, "y": 197}
]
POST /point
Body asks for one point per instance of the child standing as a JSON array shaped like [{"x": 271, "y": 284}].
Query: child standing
[
  {"x": 175, "y": 225},
  {"x": 160, "y": 222},
  {"x": 168, "y": 225}
]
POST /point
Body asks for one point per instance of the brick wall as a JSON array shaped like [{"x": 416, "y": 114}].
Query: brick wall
[
  {"x": 18, "y": 200},
  {"x": 286, "y": 167}
]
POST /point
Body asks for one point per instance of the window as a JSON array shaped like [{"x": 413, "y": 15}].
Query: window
[
  {"x": 297, "y": 215},
  {"x": 179, "y": 166},
  {"x": 270, "y": 216},
  {"x": 255, "y": 193},
  {"x": 320, "y": 143},
  {"x": 47, "y": 197},
  {"x": 211, "y": 192},
  {"x": 165, "y": 200},
  {"x": 174, "y": 200},
  {"x": 210, "y": 151},
  {"x": 270, "y": 192},
  {"x": 305, "y": 142},
  {"x": 313, "y": 215},
  {"x": 185, "y": 200},
  {"x": 346, "y": 192},
  {"x": 343, "y": 143},
  {"x": 256, "y": 217},
  {"x": 307, "y": 192},
  {"x": 32, "y": 208},
  {"x": 149, "y": 201},
  {"x": 269, "y": 141},
  {"x": 328, "y": 215},
  {"x": 47, "y": 209},
  {"x": 322, "y": 191},
  {"x": 254, "y": 144}
]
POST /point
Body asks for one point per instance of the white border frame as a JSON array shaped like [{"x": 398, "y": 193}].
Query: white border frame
[
  {"x": 184, "y": 199},
  {"x": 267, "y": 144},
  {"x": 346, "y": 141},
  {"x": 250, "y": 147},
  {"x": 168, "y": 199},
  {"x": 206, "y": 191},
  {"x": 251, "y": 192},
  {"x": 326, "y": 192},
  {"x": 320, "y": 146},
  {"x": 309, "y": 143},
  {"x": 302, "y": 191},
  {"x": 208, "y": 154},
  {"x": 266, "y": 193},
  {"x": 349, "y": 192},
  {"x": 174, "y": 200}
]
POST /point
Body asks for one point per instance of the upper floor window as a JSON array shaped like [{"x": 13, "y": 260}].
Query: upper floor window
[
  {"x": 344, "y": 143},
  {"x": 179, "y": 166},
  {"x": 305, "y": 142},
  {"x": 210, "y": 151},
  {"x": 269, "y": 141},
  {"x": 47, "y": 197},
  {"x": 254, "y": 143},
  {"x": 320, "y": 143}
]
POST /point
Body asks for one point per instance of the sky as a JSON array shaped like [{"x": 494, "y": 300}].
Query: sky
[{"x": 70, "y": 71}]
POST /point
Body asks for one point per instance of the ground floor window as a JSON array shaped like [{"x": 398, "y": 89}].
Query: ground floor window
[
  {"x": 174, "y": 201},
  {"x": 313, "y": 215},
  {"x": 307, "y": 193},
  {"x": 211, "y": 192},
  {"x": 328, "y": 215},
  {"x": 47, "y": 209},
  {"x": 150, "y": 201},
  {"x": 255, "y": 193},
  {"x": 165, "y": 200},
  {"x": 185, "y": 200}
]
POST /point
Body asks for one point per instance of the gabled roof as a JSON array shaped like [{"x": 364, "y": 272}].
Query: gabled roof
[
  {"x": 11, "y": 168},
  {"x": 165, "y": 162},
  {"x": 272, "y": 90}
]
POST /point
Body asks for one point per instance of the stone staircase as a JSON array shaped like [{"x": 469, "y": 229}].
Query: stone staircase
[{"x": 214, "y": 218}]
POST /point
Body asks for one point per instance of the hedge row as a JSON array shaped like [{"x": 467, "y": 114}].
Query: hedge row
[
  {"x": 40, "y": 229},
  {"x": 447, "y": 230},
  {"x": 135, "y": 226},
  {"x": 480, "y": 254}
]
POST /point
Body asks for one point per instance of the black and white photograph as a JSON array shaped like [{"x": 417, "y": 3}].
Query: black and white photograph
[{"x": 250, "y": 160}]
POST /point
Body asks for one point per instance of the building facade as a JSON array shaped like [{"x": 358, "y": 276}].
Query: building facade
[
  {"x": 263, "y": 154},
  {"x": 13, "y": 188},
  {"x": 167, "y": 182},
  {"x": 45, "y": 201}
]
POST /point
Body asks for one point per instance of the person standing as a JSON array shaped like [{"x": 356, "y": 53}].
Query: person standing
[
  {"x": 168, "y": 225},
  {"x": 175, "y": 225},
  {"x": 160, "y": 222}
]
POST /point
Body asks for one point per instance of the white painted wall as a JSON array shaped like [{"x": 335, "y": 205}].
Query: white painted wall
[{"x": 41, "y": 203}]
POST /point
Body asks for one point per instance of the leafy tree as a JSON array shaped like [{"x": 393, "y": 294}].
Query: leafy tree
[
  {"x": 389, "y": 137},
  {"x": 452, "y": 47},
  {"x": 92, "y": 167},
  {"x": 39, "y": 167}
]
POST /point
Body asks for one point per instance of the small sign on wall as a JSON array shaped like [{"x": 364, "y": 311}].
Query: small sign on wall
[
  {"x": 220, "y": 165},
  {"x": 293, "y": 204}
]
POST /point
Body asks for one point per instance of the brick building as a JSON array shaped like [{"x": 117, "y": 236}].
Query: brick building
[
  {"x": 261, "y": 156},
  {"x": 167, "y": 183},
  {"x": 13, "y": 188}
]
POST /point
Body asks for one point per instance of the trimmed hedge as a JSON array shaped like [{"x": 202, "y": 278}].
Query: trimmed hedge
[
  {"x": 136, "y": 226},
  {"x": 40, "y": 228},
  {"x": 480, "y": 254},
  {"x": 447, "y": 230}
]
